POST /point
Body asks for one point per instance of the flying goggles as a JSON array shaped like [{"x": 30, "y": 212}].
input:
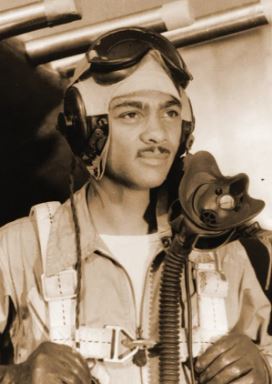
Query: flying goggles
[{"x": 114, "y": 55}]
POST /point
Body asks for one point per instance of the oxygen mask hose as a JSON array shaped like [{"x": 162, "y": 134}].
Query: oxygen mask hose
[
  {"x": 209, "y": 206},
  {"x": 170, "y": 316}
]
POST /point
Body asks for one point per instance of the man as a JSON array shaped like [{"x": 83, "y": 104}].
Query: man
[{"x": 87, "y": 296}]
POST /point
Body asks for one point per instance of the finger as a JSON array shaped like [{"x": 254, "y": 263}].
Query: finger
[
  {"x": 51, "y": 373},
  {"x": 71, "y": 379},
  {"x": 66, "y": 359},
  {"x": 70, "y": 357},
  {"x": 78, "y": 361},
  {"x": 218, "y": 348},
  {"x": 228, "y": 374},
  {"x": 247, "y": 379},
  {"x": 226, "y": 359},
  {"x": 46, "y": 378},
  {"x": 59, "y": 378},
  {"x": 75, "y": 366}
]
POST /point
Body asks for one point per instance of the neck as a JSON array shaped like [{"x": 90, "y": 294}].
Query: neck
[{"x": 118, "y": 209}]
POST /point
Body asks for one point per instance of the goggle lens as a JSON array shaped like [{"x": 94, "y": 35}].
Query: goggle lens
[{"x": 125, "y": 47}]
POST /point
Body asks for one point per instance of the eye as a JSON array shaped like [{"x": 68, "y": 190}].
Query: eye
[
  {"x": 172, "y": 113},
  {"x": 128, "y": 115}
]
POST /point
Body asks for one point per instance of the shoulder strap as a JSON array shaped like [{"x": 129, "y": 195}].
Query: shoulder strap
[
  {"x": 260, "y": 255},
  {"x": 59, "y": 290},
  {"x": 43, "y": 214}
]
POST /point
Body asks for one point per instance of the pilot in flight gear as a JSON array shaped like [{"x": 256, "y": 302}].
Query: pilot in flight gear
[{"x": 85, "y": 277}]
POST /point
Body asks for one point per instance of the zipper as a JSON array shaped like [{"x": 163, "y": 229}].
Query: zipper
[
  {"x": 102, "y": 253},
  {"x": 146, "y": 292},
  {"x": 149, "y": 282},
  {"x": 139, "y": 328}
]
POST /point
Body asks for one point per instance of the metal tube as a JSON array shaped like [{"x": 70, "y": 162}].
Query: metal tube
[
  {"x": 204, "y": 29},
  {"x": 65, "y": 67},
  {"x": 169, "y": 16},
  {"x": 37, "y": 15},
  {"x": 219, "y": 25}
]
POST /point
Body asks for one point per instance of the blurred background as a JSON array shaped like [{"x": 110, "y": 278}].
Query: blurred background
[{"x": 231, "y": 95}]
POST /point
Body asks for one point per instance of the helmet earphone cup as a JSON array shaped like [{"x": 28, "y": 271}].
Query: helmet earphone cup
[
  {"x": 72, "y": 122},
  {"x": 86, "y": 135}
]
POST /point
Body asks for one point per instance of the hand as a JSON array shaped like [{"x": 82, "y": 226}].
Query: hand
[
  {"x": 51, "y": 363},
  {"x": 232, "y": 359}
]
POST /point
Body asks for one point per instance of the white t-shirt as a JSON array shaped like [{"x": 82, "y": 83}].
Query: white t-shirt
[{"x": 135, "y": 254}]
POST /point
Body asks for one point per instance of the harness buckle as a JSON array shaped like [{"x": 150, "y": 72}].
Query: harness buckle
[
  {"x": 112, "y": 344},
  {"x": 124, "y": 347},
  {"x": 139, "y": 343},
  {"x": 120, "y": 352}
]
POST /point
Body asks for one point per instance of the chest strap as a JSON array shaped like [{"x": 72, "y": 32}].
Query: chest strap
[
  {"x": 114, "y": 344},
  {"x": 110, "y": 344}
]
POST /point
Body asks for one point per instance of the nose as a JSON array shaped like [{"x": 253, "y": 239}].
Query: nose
[{"x": 154, "y": 130}]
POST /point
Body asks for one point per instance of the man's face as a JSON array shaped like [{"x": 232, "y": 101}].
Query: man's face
[{"x": 145, "y": 136}]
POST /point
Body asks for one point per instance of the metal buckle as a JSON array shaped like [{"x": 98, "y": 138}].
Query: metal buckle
[{"x": 124, "y": 346}]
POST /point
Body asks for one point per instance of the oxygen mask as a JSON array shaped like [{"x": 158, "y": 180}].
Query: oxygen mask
[{"x": 210, "y": 205}]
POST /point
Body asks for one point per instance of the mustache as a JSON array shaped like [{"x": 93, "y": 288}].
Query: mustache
[{"x": 154, "y": 149}]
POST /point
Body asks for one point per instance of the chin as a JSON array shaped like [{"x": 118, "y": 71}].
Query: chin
[
  {"x": 150, "y": 182},
  {"x": 138, "y": 179}
]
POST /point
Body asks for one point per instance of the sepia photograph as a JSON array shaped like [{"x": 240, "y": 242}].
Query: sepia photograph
[{"x": 136, "y": 192}]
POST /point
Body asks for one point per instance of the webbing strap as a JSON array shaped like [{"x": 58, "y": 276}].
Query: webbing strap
[
  {"x": 62, "y": 321},
  {"x": 58, "y": 290},
  {"x": 43, "y": 214},
  {"x": 212, "y": 289},
  {"x": 202, "y": 339},
  {"x": 110, "y": 344}
]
